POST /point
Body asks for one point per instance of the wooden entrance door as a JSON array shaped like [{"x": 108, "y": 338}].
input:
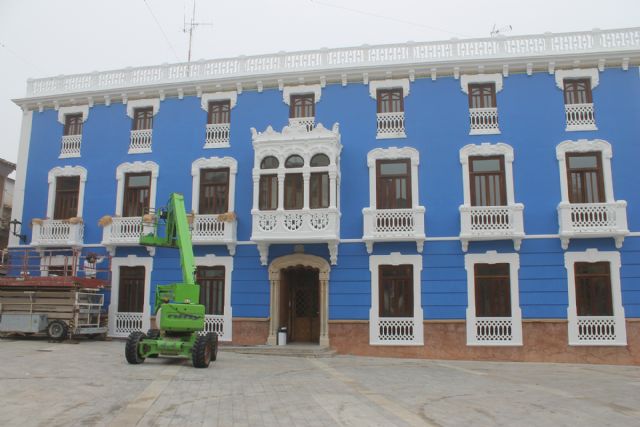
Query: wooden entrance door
[{"x": 304, "y": 307}]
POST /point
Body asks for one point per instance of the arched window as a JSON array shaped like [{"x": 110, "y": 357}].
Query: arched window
[
  {"x": 269, "y": 162},
  {"x": 294, "y": 161},
  {"x": 319, "y": 160}
]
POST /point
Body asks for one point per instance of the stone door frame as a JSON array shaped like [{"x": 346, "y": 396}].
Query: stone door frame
[{"x": 298, "y": 260}]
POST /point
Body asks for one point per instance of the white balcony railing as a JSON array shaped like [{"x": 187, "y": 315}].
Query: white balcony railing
[
  {"x": 494, "y": 331},
  {"x": 391, "y": 125},
  {"x": 70, "y": 146},
  {"x": 210, "y": 230},
  {"x": 483, "y": 121},
  {"x": 218, "y": 324},
  {"x": 140, "y": 141},
  {"x": 57, "y": 232},
  {"x": 585, "y": 220},
  {"x": 296, "y": 226},
  {"x": 306, "y": 122},
  {"x": 396, "y": 331},
  {"x": 400, "y": 225},
  {"x": 597, "y": 330},
  {"x": 124, "y": 323},
  {"x": 491, "y": 223},
  {"x": 580, "y": 117},
  {"x": 217, "y": 135},
  {"x": 437, "y": 52}
]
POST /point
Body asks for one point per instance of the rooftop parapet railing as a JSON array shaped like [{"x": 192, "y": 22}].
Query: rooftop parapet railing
[{"x": 624, "y": 39}]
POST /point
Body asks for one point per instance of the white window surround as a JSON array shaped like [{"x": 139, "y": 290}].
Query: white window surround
[
  {"x": 136, "y": 167},
  {"x": 416, "y": 323},
  {"x": 76, "y": 109},
  {"x": 129, "y": 261},
  {"x": 211, "y": 260},
  {"x": 213, "y": 163},
  {"x": 413, "y": 215},
  {"x": 287, "y": 91},
  {"x": 374, "y": 85},
  {"x": 467, "y": 79},
  {"x": 206, "y": 98},
  {"x": 494, "y": 323},
  {"x": 143, "y": 103},
  {"x": 577, "y": 73},
  {"x": 515, "y": 210},
  {"x": 618, "y": 319},
  {"x": 608, "y": 219},
  {"x": 66, "y": 171}
]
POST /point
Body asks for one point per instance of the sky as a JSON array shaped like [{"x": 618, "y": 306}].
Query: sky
[{"x": 42, "y": 38}]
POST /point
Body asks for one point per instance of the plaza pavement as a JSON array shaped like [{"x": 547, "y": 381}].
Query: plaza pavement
[{"x": 90, "y": 383}]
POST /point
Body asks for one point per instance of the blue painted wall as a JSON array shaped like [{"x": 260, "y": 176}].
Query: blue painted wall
[{"x": 531, "y": 115}]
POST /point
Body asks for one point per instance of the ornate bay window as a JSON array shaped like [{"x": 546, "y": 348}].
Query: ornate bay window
[
  {"x": 577, "y": 85},
  {"x": 63, "y": 225},
  {"x": 489, "y": 211},
  {"x": 296, "y": 181},
  {"x": 394, "y": 213},
  {"x": 218, "y": 106},
  {"x": 588, "y": 207},
  {"x": 213, "y": 201},
  {"x": 302, "y": 104},
  {"x": 483, "y": 109},
  {"x": 389, "y": 95},
  {"x": 493, "y": 310},
  {"x": 136, "y": 195},
  {"x": 141, "y": 112},
  {"x": 72, "y": 118},
  {"x": 595, "y": 312}
]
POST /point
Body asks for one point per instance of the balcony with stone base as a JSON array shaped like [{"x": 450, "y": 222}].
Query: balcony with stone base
[
  {"x": 215, "y": 229},
  {"x": 57, "y": 232},
  {"x": 394, "y": 225},
  {"x": 491, "y": 223},
  {"x": 593, "y": 220}
]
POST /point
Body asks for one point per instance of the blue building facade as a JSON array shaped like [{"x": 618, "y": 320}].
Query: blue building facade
[{"x": 474, "y": 204}]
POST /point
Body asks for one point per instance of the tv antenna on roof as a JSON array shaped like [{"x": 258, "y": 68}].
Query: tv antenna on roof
[
  {"x": 190, "y": 26},
  {"x": 496, "y": 32}
]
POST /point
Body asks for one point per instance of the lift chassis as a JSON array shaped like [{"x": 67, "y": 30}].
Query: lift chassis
[{"x": 179, "y": 315}]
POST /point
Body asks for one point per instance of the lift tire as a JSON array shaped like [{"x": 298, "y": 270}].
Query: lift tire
[
  {"x": 58, "y": 330},
  {"x": 202, "y": 351},
  {"x": 214, "y": 346},
  {"x": 131, "y": 348}
]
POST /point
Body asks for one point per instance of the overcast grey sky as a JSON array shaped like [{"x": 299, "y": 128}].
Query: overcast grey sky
[{"x": 40, "y": 38}]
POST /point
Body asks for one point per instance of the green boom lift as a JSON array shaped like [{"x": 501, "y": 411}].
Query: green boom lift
[{"x": 181, "y": 316}]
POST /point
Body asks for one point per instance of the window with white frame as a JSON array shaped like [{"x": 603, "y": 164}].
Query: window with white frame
[
  {"x": 577, "y": 85},
  {"x": 489, "y": 211},
  {"x": 595, "y": 312},
  {"x": 141, "y": 112},
  {"x": 130, "y": 295},
  {"x": 588, "y": 207},
  {"x": 396, "y": 316},
  {"x": 218, "y": 106},
  {"x": 214, "y": 181},
  {"x": 136, "y": 190},
  {"x": 213, "y": 274},
  {"x": 493, "y": 304},
  {"x": 66, "y": 192},
  {"x": 389, "y": 95},
  {"x": 394, "y": 213},
  {"x": 72, "y": 118},
  {"x": 302, "y": 101},
  {"x": 481, "y": 90}
]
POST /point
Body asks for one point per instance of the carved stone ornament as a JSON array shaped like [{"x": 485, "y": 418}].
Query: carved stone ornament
[
  {"x": 393, "y": 153},
  {"x": 467, "y": 79},
  {"x": 287, "y": 91},
  {"x": 232, "y": 96},
  {"x": 142, "y": 103},
  {"x": 374, "y": 85},
  {"x": 577, "y": 73},
  {"x": 76, "y": 109}
]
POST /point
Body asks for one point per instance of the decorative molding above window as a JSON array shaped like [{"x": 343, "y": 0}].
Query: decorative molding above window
[
  {"x": 590, "y": 220},
  {"x": 501, "y": 331},
  {"x": 76, "y": 109},
  {"x": 591, "y": 329},
  {"x": 577, "y": 73},
  {"x": 466, "y": 79},
  {"x": 395, "y": 330},
  {"x": 287, "y": 91},
  {"x": 374, "y": 85},
  {"x": 232, "y": 96},
  {"x": 66, "y": 171},
  {"x": 142, "y": 103}
]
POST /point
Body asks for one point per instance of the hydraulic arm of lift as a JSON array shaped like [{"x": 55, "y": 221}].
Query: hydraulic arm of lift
[{"x": 178, "y": 312}]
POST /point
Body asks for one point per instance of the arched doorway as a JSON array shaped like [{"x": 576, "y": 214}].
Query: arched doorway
[{"x": 299, "y": 298}]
